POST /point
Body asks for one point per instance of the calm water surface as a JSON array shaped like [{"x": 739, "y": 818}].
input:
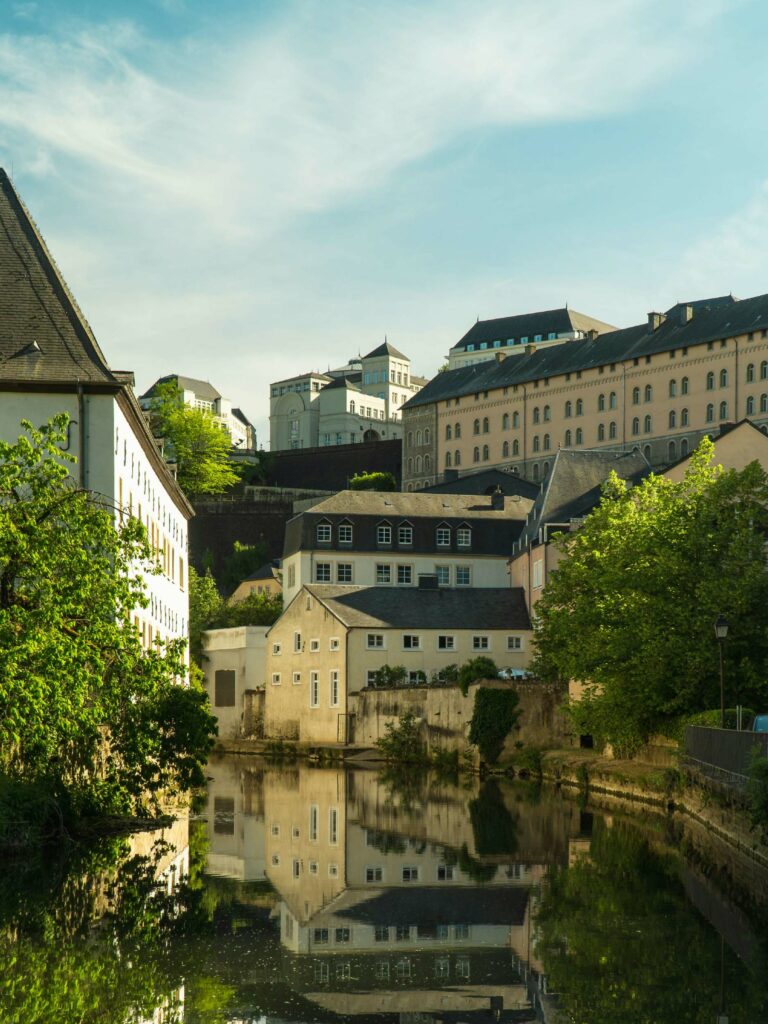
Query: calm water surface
[{"x": 302, "y": 894}]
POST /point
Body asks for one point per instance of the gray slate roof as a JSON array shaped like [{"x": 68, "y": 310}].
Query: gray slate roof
[
  {"x": 712, "y": 320},
  {"x": 527, "y": 325},
  {"x": 44, "y": 337},
  {"x": 413, "y": 608},
  {"x": 385, "y": 349},
  {"x": 341, "y": 382},
  {"x": 485, "y": 482},
  {"x": 424, "y": 905},
  {"x": 202, "y": 388},
  {"x": 387, "y": 504}
]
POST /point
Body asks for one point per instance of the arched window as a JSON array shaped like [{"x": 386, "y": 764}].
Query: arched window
[
  {"x": 535, "y": 414},
  {"x": 750, "y": 406},
  {"x": 673, "y": 389},
  {"x": 684, "y": 446},
  {"x": 447, "y": 458},
  {"x": 612, "y": 430},
  {"x": 352, "y": 407},
  {"x": 448, "y": 432},
  {"x": 672, "y": 419},
  {"x": 601, "y": 403},
  {"x": 545, "y": 468},
  {"x": 672, "y": 451},
  {"x": 710, "y": 413},
  {"x": 601, "y": 432},
  {"x": 684, "y": 386},
  {"x": 612, "y": 400},
  {"x": 579, "y": 407},
  {"x": 515, "y": 447},
  {"x": 418, "y": 438},
  {"x": 535, "y": 471},
  {"x": 476, "y": 427},
  {"x": 515, "y": 420},
  {"x": 750, "y": 373},
  {"x": 486, "y": 425},
  {"x": 476, "y": 455},
  {"x": 410, "y": 439},
  {"x": 568, "y": 410},
  {"x": 547, "y": 443},
  {"x": 648, "y": 393},
  {"x": 635, "y": 426},
  {"x": 426, "y": 435},
  {"x": 723, "y": 378},
  {"x": 763, "y": 403},
  {"x": 647, "y": 452},
  {"x": 568, "y": 439},
  {"x": 647, "y": 425},
  {"x": 457, "y": 431},
  {"x": 418, "y": 463},
  {"x": 486, "y": 453},
  {"x": 505, "y": 450},
  {"x": 764, "y": 370},
  {"x": 635, "y": 396},
  {"x": 536, "y": 444},
  {"x": 457, "y": 458},
  {"x": 723, "y": 410},
  {"x": 683, "y": 417},
  {"x": 710, "y": 381},
  {"x": 579, "y": 435},
  {"x": 547, "y": 415},
  {"x": 505, "y": 421}
]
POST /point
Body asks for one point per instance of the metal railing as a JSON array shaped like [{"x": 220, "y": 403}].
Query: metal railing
[{"x": 723, "y": 754}]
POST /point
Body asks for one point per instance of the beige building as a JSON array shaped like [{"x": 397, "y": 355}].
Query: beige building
[
  {"x": 235, "y": 664},
  {"x": 201, "y": 394},
  {"x": 658, "y": 387},
  {"x": 266, "y": 580},
  {"x": 392, "y": 540},
  {"x": 357, "y": 402},
  {"x": 332, "y": 641}
]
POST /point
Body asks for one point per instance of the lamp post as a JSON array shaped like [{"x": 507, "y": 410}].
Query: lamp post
[{"x": 721, "y": 633}]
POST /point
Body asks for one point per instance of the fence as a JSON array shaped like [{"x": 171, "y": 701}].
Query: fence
[{"x": 723, "y": 754}]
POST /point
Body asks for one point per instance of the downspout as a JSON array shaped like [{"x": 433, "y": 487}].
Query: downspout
[{"x": 81, "y": 434}]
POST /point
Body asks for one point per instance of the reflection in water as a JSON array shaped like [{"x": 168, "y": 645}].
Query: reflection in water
[{"x": 337, "y": 895}]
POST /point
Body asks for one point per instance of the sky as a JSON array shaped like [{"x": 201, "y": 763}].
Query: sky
[{"x": 244, "y": 191}]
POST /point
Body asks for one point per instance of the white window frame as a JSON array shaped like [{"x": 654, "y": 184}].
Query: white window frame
[
  {"x": 514, "y": 643},
  {"x": 448, "y": 872},
  {"x": 445, "y": 569},
  {"x": 481, "y": 642},
  {"x": 314, "y": 822},
  {"x": 410, "y": 873},
  {"x": 275, "y": 678},
  {"x": 327, "y": 572},
  {"x": 314, "y": 689},
  {"x": 334, "y": 688},
  {"x": 324, "y": 533},
  {"x": 375, "y": 646},
  {"x": 346, "y": 566},
  {"x": 345, "y": 533},
  {"x": 384, "y": 535},
  {"x": 464, "y": 537},
  {"x": 333, "y": 826},
  {"x": 443, "y": 536},
  {"x": 297, "y": 643},
  {"x": 413, "y": 646},
  {"x": 374, "y": 869},
  {"x": 449, "y": 642},
  {"x": 405, "y": 583},
  {"x": 383, "y": 582},
  {"x": 314, "y": 645},
  {"x": 296, "y": 678},
  {"x": 277, "y": 650},
  {"x": 405, "y": 535},
  {"x": 462, "y": 570},
  {"x": 334, "y": 644}
]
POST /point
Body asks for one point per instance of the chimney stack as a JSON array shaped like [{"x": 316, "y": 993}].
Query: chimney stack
[
  {"x": 686, "y": 313},
  {"x": 592, "y": 334},
  {"x": 655, "y": 320},
  {"x": 500, "y": 357},
  {"x": 497, "y": 500}
]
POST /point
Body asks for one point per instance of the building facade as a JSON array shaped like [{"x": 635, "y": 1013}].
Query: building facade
[
  {"x": 658, "y": 387},
  {"x": 50, "y": 362},
  {"x": 357, "y": 402},
  {"x": 382, "y": 539},
  {"x": 200, "y": 394}
]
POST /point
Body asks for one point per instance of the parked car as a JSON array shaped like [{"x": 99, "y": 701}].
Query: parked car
[
  {"x": 760, "y": 723},
  {"x": 514, "y": 673}
]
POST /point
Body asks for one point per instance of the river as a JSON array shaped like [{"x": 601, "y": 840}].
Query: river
[{"x": 298, "y": 893}]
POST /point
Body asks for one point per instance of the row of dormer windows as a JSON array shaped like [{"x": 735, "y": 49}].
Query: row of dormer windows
[{"x": 384, "y": 534}]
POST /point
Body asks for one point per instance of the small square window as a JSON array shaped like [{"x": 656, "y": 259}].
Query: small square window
[
  {"x": 481, "y": 643},
  {"x": 445, "y": 872},
  {"x": 277, "y": 649},
  {"x": 410, "y": 874},
  {"x": 383, "y": 574},
  {"x": 411, "y": 642},
  {"x": 274, "y": 829},
  {"x": 405, "y": 535},
  {"x": 381, "y": 934},
  {"x": 446, "y": 643},
  {"x": 344, "y": 572},
  {"x": 404, "y": 575},
  {"x": 343, "y": 935},
  {"x": 384, "y": 535},
  {"x": 463, "y": 576},
  {"x": 322, "y": 572},
  {"x": 333, "y": 870},
  {"x": 443, "y": 537},
  {"x": 275, "y": 678},
  {"x": 443, "y": 573},
  {"x": 514, "y": 643},
  {"x": 334, "y": 644},
  {"x": 320, "y": 936},
  {"x": 324, "y": 533},
  {"x": 345, "y": 533},
  {"x": 296, "y": 678},
  {"x": 375, "y": 642},
  {"x": 314, "y": 645},
  {"x": 374, "y": 874},
  {"x": 313, "y": 867},
  {"x": 464, "y": 537}
]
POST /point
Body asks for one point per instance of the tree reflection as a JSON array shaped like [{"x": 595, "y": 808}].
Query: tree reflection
[{"x": 620, "y": 942}]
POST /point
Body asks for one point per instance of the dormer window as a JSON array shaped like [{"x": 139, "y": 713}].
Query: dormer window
[
  {"x": 384, "y": 535},
  {"x": 443, "y": 536},
  {"x": 405, "y": 535},
  {"x": 323, "y": 533},
  {"x": 345, "y": 533},
  {"x": 464, "y": 537}
]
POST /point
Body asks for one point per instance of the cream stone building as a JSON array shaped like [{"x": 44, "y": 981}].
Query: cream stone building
[
  {"x": 235, "y": 663},
  {"x": 357, "y": 402},
  {"x": 391, "y": 539},
  {"x": 658, "y": 387},
  {"x": 331, "y": 642},
  {"x": 201, "y": 394},
  {"x": 267, "y": 579}
]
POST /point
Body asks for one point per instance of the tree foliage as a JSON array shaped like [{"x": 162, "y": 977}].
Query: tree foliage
[
  {"x": 209, "y": 610},
  {"x": 243, "y": 560},
  {"x": 629, "y": 612},
  {"x": 373, "y": 482},
  {"x": 494, "y": 714},
  {"x": 471, "y": 671},
  {"x": 199, "y": 445},
  {"x": 84, "y": 708}
]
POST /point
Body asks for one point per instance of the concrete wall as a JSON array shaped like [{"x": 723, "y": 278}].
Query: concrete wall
[
  {"x": 447, "y": 714},
  {"x": 243, "y": 651}
]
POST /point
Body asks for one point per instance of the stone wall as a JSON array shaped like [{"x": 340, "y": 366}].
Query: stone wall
[{"x": 446, "y": 714}]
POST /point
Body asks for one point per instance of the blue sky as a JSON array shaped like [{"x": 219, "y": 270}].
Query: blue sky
[{"x": 243, "y": 191}]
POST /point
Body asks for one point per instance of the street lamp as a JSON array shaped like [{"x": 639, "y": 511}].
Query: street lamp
[{"x": 721, "y": 634}]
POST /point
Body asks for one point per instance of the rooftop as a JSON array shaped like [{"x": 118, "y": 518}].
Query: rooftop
[
  {"x": 528, "y": 325},
  {"x": 418, "y": 503},
  {"x": 385, "y": 349},
  {"x": 201, "y": 388}
]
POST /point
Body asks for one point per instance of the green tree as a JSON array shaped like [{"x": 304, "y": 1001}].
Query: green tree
[
  {"x": 629, "y": 611},
  {"x": 254, "y": 610},
  {"x": 373, "y": 482},
  {"x": 471, "y": 671},
  {"x": 205, "y": 607},
  {"x": 243, "y": 560},
  {"x": 200, "y": 446},
  {"x": 494, "y": 714},
  {"x": 76, "y": 684}
]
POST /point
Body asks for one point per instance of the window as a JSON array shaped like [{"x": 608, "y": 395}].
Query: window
[
  {"x": 515, "y": 420},
  {"x": 296, "y": 868},
  {"x": 405, "y": 535},
  {"x": 579, "y": 435},
  {"x": 447, "y": 459},
  {"x": 464, "y": 537},
  {"x": 505, "y": 450},
  {"x": 601, "y": 403},
  {"x": 322, "y": 572},
  {"x": 481, "y": 643},
  {"x": 313, "y": 818},
  {"x": 443, "y": 536},
  {"x": 345, "y": 533},
  {"x": 334, "y": 688},
  {"x": 763, "y": 403},
  {"x": 612, "y": 400},
  {"x": 476, "y": 427},
  {"x": 276, "y": 648},
  {"x": 750, "y": 406},
  {"x": 410, "y": 874},
  {"x": 443, "y": 573},
  {"x": 579, "y": 407},
  {"x": 601, "y": 432},
  {"x": 275, "y": 678},
  {"x": 538, "y": 573},
  {"x": 381, "y": 934},
  {"x": 547, "y": 442},
  {"x": 333, "y": 826},
  {"x": 403, "y": 966},
  {"x": 635, "y": 426},
  {"x": 547, "y": 414},
  {"x": 462, "y": 968},
  {"x": 457, "y": 458},
  {"x": 446, "y": 643},
  {"x": 764, "y": 370},
  {"x": 568, "y": 410},
  {"x": 476, "y": 455},
  {"x": 486, "y": 425},
  {"x": 342, "y": 935},
  {"x": 723, "y": 410},
  {"x": 383, "y": 574},
  {"x": 536, "y": 442},
  {"x": 684, "y": 418},
  {"x": 344, "y": 572},
  {"x": 486, "y": 453},
  {"x": 647, "y": 424},
  {"x": 612, "y": 430},
  {"x": 505, "y": 421},
  {"x": 648, "y": 393},
  {"x": 405, "y": 575},
  {"x": 672, "y": 388},
  {"x": 463, "y": 576},
  {"x": 514, "y": 643},
  {"x": 672, "y": 419},
  {"x": 457, "y": 429},
  {"x": 723, "y": 378},
  {"x": 320, "y": 936},
  {"x": 314, "y": 689},
  {"x": 684, "y": 386},
  {"x": 296, "y": 678},
  {"x": 536, "y": 414},
  {"x": 323, "y": 533},
  {"x": 635, "y": 396},
  {"x": 671, "y": 451},
  {"x": 383, "y": 534},
  {"x": 568, "y": 439},
  {"x": 445, "y": 872},
  {"x": 684, "y": 446},
  {"x": 334, "y": 644},
  {"x": 710, "y": 413},
  {"x": 710, "y": 381},
  {"x": 411, "y": 642},
  {"x": 375, "y": 874},
  {"x": 375, "y": 642},
  {"x": 515, "y": 447},
  {"x": 224, "y": 688},
  {"x": 750, "y": 373}
]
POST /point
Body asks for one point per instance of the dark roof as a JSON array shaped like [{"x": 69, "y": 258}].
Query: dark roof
[
  {"x": 574, "y": 485},
  {"x": 268, "y": 571},
  {"x": 414, "y": 608},
  {"x": 240, "y": 415},
  {"x": 485, "y": 482},
  {"x": 43, "y": 335},
  {"x": 202, "y": 388},
  {"x": 341, "y": 382},
  {"x": 527, "y": 325},
  {"x": 385, "y": 349},
  {"x": 712, "y": 320},
  {"x": 423, "y": 905}
]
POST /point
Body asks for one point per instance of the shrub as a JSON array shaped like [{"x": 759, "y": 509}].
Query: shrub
[
  {"x": 402, "y": 740},
  {"x": 529, "y": 762},
  {"x": 474, "y": 669},
  {"x": 494, "y": 714},
  {"x": 373, "y": 482},
  {"x": 390, "y": 675}
]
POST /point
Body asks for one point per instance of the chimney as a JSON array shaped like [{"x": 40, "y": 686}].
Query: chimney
[
  {"x": 428, "y": 581},
  {"x": 592, "y": 334},
  {"x": 686, "y": 313},
  {"x": 530, "y": 349},
  {"x": 655, "y": 320},
  {"x": 500, "y": 357},
  {"x": 497, "y": 500}
]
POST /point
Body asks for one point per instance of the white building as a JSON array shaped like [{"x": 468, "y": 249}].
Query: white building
[
  {"x": 200, "y": 394},
  {"x": 50, "y": 362},
  {"x": 357, "y": 402}
]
